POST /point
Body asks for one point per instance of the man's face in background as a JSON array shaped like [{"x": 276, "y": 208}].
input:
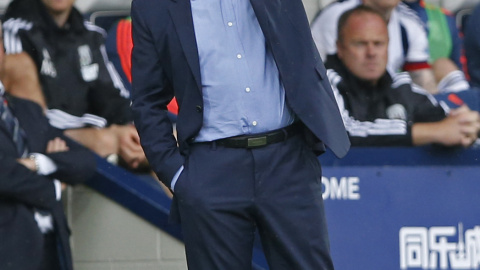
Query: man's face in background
[
  {"x": 58, "y": 6},
  {"x": 363, "y": 46}
]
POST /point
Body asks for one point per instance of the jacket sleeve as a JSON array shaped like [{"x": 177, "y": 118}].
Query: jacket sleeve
[
  {"x": 20, "y": 184},
  {"x": 74, "y": 166},
  {"x": 151, "y": 93}
]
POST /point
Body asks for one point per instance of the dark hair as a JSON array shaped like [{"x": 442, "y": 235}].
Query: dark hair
[{"x": 361, "y": 9}]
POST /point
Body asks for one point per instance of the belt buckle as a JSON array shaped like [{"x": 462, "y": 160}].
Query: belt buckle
[{"x": 256, "y": 142}]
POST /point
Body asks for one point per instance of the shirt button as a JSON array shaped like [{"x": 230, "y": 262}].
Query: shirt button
[
  {"x": 254, "y": 123},
  {"x": 229, "y": 23},
  {"x": 248, "y": 89},
  {"x": 239, "y": 56},
  {"x": 198, "y": 108}
]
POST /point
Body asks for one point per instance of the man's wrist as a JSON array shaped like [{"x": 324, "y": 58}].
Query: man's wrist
[
  {"x": 33, "y": 158},
  {"x": 43, "y": 164}
]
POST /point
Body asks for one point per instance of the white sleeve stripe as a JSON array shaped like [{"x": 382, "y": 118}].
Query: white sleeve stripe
[
  {"x": 117, "y": 81},
  {"x": 95, "y": 28},
  {"x": 401, "y": 78},
  {"x": 454, "y": 82},
  {"x": 12, "y": 43},
  {"x": 63, "y": 120},
  {"x": 357, "y": 128},
  {"x": 12, "y": 40},
  {"x": 410, "y": 13},
  {"x": 445, "y": 107}
]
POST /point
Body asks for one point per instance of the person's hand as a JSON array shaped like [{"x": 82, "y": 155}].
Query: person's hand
[
  {"x": 56, "y": 145},
  {"x": 470, "y": 123},
  {"x": 461, "y": 127},
  {"x": 29, "y": 163},
  {"x": 129, "y": 143}
]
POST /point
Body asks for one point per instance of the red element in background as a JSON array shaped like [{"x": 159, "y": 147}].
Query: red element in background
[
  {"x": 124, "y": 48},
  {"x": 455, "y": 100}
]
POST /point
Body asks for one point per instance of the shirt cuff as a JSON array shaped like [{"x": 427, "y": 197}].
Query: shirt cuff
[
  {"x": 175, "y": 178},
  {"x": 46, "y": 165},
  {"x": 58, "y": 189}
]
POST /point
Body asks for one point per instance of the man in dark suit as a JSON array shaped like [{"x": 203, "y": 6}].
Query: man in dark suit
[
  {"x": 254, "y": 107},
  {"x": 33, "y": 155}
]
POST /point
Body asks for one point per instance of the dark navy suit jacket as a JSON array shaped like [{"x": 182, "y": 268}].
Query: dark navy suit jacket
[
  {"x": 165, "y": 63},
  {"x": 22, "y": 190}
]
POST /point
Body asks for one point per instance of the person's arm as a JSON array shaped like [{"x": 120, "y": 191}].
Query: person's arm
[
  {"x": 417, "y": 57},
  {"x": 73, "y": 166},
  {"x": 21, "y": 184},
  {"x": 151, "y": 93},
  {"x": 425, "y": 78},
  {"x": 22, "y": 62},
  {"x": 20, "y": 78},
  {"x": 460, "y": 127},
  {"x": 130, "y": 148}
]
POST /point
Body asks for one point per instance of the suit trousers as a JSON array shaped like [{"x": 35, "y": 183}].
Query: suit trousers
[{"x": 225, "y": 194}]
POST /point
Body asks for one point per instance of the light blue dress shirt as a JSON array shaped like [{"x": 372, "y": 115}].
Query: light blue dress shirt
[{"x": 241, "y": 86}]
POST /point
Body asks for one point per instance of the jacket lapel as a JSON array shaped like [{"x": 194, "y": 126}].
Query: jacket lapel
[{"x": 181, "y": 14}]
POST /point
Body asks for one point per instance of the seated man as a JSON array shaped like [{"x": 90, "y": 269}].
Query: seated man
[
  {"x": 380, "y": 109},
  {"x": 408, "y": 47},
  {"x": 79, "y": 86},
  {"x": 33, "y": 229}
]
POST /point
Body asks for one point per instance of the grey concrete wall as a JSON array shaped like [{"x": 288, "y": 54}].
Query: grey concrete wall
[{"x": 106, "y": 236}]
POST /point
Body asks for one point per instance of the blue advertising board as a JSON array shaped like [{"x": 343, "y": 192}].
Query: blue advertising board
[{"x": 403, "y": 217}]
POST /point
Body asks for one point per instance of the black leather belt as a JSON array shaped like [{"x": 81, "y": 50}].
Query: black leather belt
[{"x": 260, "y": 140}]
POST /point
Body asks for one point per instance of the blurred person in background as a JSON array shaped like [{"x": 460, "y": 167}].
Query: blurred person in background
[
  {"x": 443, "y": 36},
  {"x": 384, "y": 109},
  {"x": 80, "y": 89},
  {"x": 408, "y": 47},
  {"x": 444, "y": 41}
]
